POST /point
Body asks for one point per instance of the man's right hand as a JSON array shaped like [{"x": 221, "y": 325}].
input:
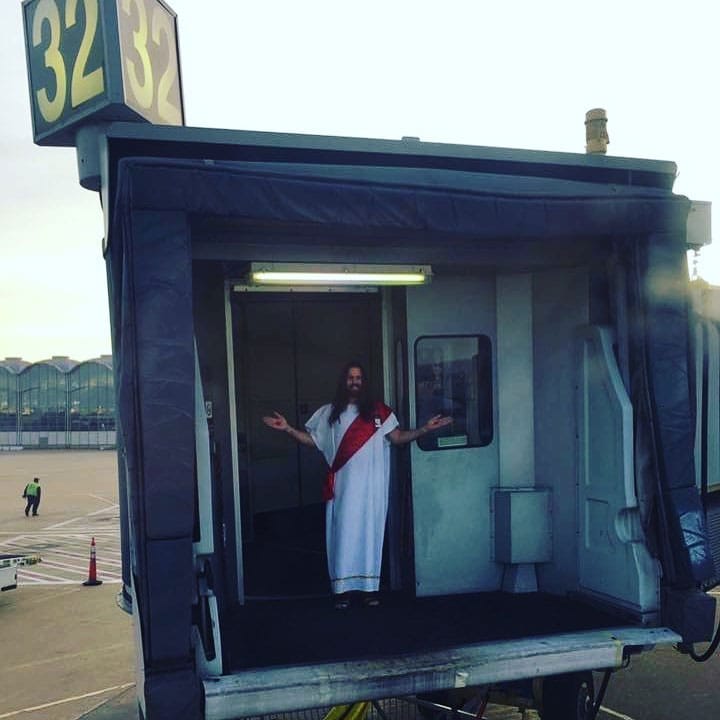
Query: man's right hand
[{"x": 276, "y": 422}]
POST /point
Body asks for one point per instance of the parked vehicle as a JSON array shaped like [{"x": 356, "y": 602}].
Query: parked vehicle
[
  {"x": 8, "y": 572},
  {"x": 9, "y": 564}
]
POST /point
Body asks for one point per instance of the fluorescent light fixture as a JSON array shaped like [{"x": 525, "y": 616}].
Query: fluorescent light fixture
[{"x": 306, "y": 274}]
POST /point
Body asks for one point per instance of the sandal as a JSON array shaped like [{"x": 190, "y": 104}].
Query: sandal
[{"x": 342, "y": 602}]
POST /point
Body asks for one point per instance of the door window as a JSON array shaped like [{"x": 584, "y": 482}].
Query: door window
[{"x": 453, "y": 376}]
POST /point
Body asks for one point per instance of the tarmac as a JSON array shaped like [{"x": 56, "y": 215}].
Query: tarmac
[
  {"x": 122, "y": 707},
  {"x": 72, "y": 656},
  {"x": 68, "y": 652}
]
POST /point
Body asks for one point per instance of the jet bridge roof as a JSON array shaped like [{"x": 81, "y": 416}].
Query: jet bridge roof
[
  {"x": 383, "y": 192},
  {"x": 128, "y": 139}
]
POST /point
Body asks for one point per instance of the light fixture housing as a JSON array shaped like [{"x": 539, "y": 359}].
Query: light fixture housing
[{"x": 336, "y": 274}]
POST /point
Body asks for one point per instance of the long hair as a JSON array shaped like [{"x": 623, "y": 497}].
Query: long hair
[{"x": 365, "y": 400}]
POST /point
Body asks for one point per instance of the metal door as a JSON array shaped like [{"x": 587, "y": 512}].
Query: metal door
[{"x": 451, "y": 483}]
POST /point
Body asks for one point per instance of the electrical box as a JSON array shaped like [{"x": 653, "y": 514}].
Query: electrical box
[{"x": 523, "y": 525}]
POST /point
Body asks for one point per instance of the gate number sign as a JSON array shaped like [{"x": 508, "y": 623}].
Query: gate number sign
[{"x": 95, "y": 61}]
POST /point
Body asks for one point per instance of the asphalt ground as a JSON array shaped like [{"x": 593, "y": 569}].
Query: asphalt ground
[{"x": 67, "y": 652}]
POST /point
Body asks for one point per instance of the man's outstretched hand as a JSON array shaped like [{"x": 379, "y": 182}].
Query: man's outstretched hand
[
  {"x": 276, "y": 422},
  {"x": 436, "y": 422}
]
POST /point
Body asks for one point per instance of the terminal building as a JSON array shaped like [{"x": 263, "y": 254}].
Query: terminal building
[{"x": 57, "y": 403}]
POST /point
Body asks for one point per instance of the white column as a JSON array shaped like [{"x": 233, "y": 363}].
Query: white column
[{"x": 515, "y": 426}]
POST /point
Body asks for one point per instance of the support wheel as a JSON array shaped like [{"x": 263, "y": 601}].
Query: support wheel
[{"x": 568, "y": 697}]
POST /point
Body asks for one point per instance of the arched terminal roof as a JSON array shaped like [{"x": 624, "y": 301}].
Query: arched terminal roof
[
  {"x": 14, "y": 365},
  {"x": 60, "y": 362}
]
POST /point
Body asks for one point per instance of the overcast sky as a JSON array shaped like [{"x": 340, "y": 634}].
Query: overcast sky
[{"x": 515, "y": 74}]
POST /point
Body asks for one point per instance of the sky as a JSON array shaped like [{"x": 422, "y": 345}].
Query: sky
[{"x": 509, "y": 73}]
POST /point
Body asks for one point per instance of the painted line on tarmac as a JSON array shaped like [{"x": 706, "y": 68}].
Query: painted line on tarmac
[
  {"x": 39, "y": 578},
  {"x": 604, "y": 709},
  {"x": 80, "y": 570},
  {"x": 83, "y": 519},
  {"x": 65, "y": 522},
  {"x": 79, "y": 555},
  {"x": 9, "y": 532},
  {"x": 64, "y": 558},
  {"x": 67, "y": 657},
  {"x": 50, "y": 534},
  {"x": 75, "y": 698},
  {"x": 114, "y": 555},
  {"x": 54, "y": 583},
  {"x": 55, "y": 573},
  {"x": 111, "y": 504},
  {"x": 55, "y": 565},
  {"x": 83, "y": 556}
]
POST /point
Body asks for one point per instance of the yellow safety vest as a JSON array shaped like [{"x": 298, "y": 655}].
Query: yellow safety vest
[{"x": 32, "y": 489}]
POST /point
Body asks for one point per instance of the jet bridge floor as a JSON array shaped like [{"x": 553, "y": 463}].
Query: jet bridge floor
[{"x": 288, "y": 632}]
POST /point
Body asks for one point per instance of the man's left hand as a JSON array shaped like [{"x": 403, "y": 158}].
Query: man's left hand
[{"x": 436, "y": 422}]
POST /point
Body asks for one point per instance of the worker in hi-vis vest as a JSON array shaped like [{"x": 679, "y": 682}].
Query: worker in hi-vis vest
[{"x": 32, "y": 493}]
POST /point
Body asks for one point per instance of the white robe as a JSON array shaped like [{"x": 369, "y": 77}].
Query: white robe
[{"x": 355, "y": 517}]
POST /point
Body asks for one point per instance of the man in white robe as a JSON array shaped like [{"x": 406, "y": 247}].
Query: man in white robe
[
  {"x": 355, "y": 515},
  {"x": 354, "y": 433}
]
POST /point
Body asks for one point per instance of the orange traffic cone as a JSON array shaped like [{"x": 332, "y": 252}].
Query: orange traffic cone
[{"x": 92, "y": 571}]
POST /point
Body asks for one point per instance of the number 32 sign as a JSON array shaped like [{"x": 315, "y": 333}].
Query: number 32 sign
[{"x": 95, "y": 61}]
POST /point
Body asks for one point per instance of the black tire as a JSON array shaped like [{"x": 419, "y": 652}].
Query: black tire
[{"x": 568, "y": 697}]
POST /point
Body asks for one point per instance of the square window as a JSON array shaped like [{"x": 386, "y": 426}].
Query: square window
[{"x": 453, "y": 377}]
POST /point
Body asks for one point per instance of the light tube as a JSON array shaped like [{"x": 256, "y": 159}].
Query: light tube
[
  {"x": 335, "y": 278},
  {"x": 298, "y": 274}
]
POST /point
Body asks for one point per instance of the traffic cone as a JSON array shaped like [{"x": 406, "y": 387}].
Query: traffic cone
[{"x": 92, "y": 571}]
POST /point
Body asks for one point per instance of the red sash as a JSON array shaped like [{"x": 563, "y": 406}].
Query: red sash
[{"x": 358, "y": 433}]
